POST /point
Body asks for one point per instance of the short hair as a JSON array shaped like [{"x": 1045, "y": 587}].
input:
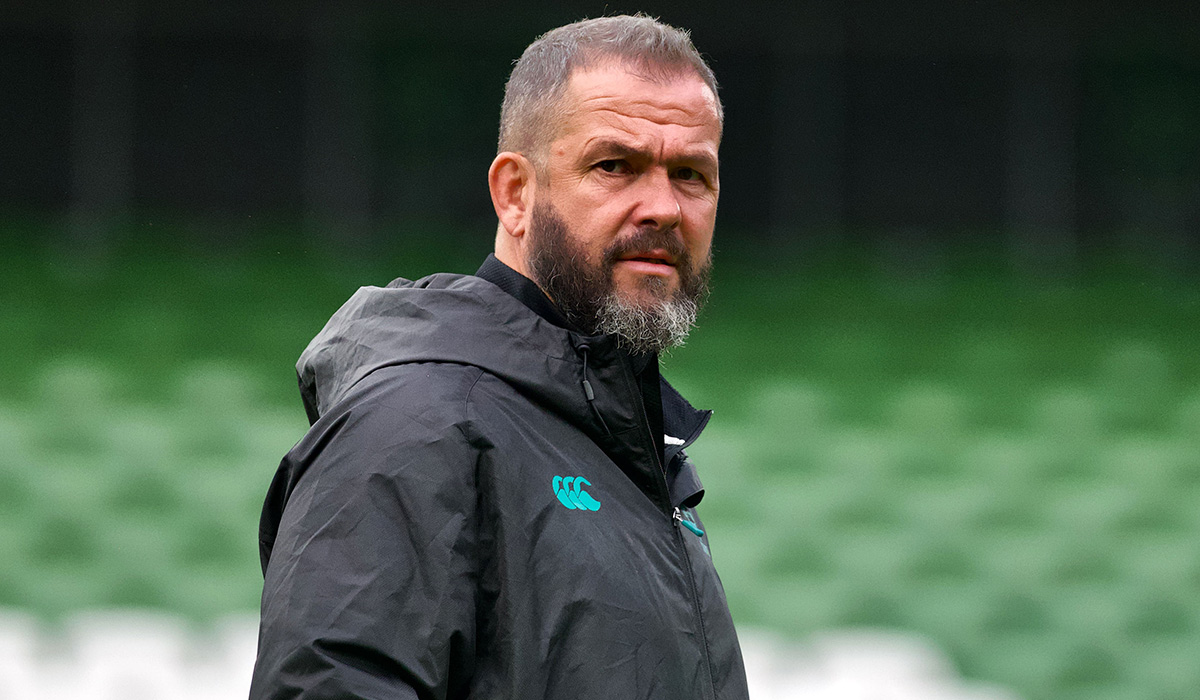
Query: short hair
[{"x": 533, "y": 95}]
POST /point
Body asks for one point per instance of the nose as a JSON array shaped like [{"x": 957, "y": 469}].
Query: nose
[{"x": 659, "y": 203}]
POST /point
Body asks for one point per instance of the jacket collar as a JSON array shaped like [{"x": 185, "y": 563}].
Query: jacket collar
[
  {"x": 522, "y": 289},
  {"x": 682, "y": 424}
]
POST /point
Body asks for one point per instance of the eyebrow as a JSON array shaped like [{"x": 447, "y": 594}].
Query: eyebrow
[{"x": 624, "y": 150}]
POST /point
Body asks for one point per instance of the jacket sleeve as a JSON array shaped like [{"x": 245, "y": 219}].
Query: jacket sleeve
[{"x": 369, "y": 587}]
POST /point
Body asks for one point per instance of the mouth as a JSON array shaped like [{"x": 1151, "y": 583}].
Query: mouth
[{"x": 652, "y": 257}]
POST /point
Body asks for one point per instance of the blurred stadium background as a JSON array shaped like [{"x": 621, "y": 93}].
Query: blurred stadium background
[{"x": 951, "y": 347}]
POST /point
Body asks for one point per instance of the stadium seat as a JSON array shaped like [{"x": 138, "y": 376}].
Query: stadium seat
[
  {"x": 785, "y": 407},
  {"x": 1072, "y": 416},
  {"x": 1136, "y": 377},
  {"x": 129, "y": 655},
  {"x": 931, "y": 411},
  {"x": 19, "y": 653}
]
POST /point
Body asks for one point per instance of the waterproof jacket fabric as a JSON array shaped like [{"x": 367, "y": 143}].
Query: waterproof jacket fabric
[{"x": 461, "y": 521}]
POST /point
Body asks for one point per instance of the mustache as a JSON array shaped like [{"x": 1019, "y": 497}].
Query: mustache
[{"x": 649, "y": 238}]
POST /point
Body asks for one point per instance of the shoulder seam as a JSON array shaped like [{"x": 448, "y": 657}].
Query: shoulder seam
[{"x": 466, "y": 428}]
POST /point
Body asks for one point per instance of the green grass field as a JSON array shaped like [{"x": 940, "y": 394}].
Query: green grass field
[{"x": 1008, "y": 465}]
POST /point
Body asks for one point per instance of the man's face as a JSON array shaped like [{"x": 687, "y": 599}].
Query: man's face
[{"x": 628, "y": 199}]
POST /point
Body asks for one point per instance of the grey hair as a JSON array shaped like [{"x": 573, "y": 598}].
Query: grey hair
[{"x": 533, "y": 95}]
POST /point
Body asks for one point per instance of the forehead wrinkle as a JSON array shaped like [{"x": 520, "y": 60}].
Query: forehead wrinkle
[
  {"x": 648, "y": 109},
  {"x": 620, "y": 121},
  {"x": 590, "y": 85},
  {"x": 643, "y": 149},
  {"x": 598, "y": 110},
  {"x": 650, "y": 146}
]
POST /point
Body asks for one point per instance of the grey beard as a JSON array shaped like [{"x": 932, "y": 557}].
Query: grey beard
[
  {"x": 647, "y": 330},
  {"x": 585, "y": 292}
]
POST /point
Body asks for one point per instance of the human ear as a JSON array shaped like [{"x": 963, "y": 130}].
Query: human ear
[{"x": 512, "y": 182}]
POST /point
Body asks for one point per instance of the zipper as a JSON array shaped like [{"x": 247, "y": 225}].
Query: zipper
[
  {"x": 677, "y": 516},
  {"x": 679, "y": 520}
]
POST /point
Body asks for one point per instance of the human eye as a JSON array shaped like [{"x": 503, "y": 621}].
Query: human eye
[
  {"x": 689, "y": 175},
  {"x": 614, "y": 166}
]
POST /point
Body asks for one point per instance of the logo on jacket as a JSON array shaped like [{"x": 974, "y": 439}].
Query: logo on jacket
[{"x": 570, "y": 493}]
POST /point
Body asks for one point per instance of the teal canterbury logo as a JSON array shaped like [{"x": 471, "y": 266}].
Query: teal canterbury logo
[{"x": 571, "y": 494}]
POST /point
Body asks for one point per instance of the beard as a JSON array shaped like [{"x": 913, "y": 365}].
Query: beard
[{"x": 586, "y": 293}]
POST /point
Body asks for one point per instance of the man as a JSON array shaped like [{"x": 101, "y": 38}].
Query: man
[{"x": 493, "y": 500}]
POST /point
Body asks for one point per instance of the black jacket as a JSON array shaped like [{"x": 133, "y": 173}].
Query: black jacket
[{"x": 462, "y": 520}]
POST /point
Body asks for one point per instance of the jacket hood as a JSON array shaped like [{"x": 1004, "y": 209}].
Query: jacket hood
[{"x": 459, "y": 319}]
